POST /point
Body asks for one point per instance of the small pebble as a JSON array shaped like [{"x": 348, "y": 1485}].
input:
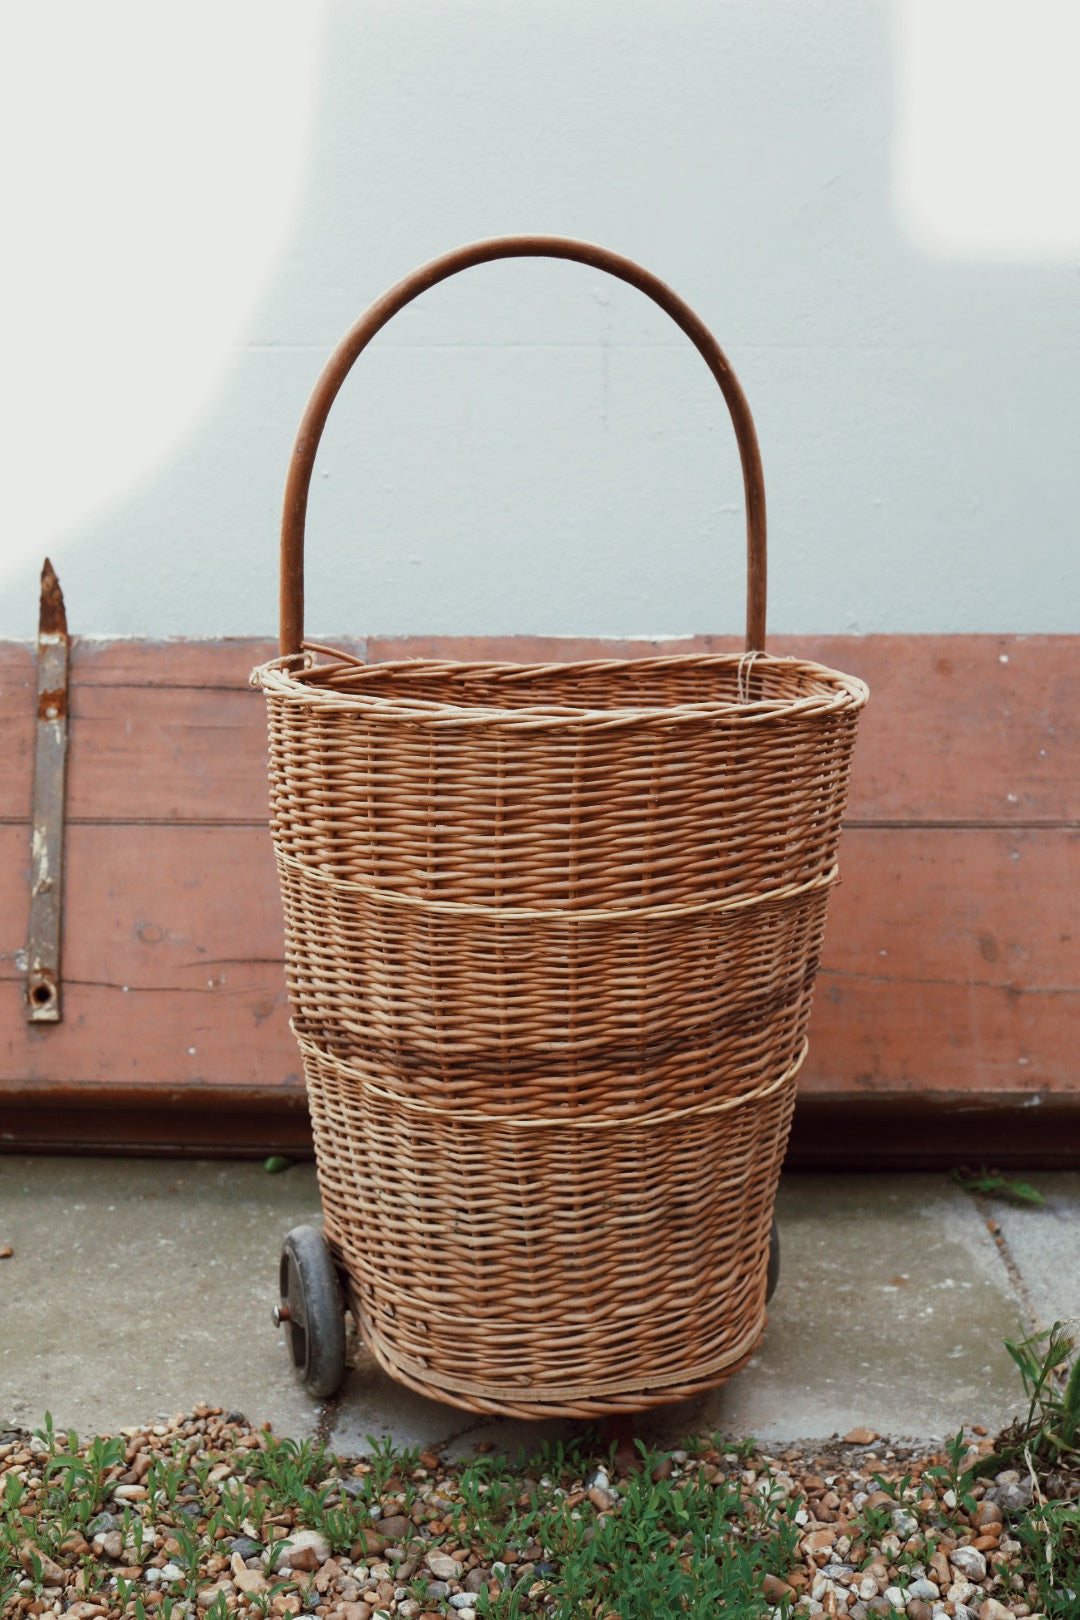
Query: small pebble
[
  {"x": 395, "y": 1527},
  {"x": 1012, "y": 1495},
  {"x": 443, "y": 1567},
  {"x": 303, "y": 1550},
  {"x": 246, "y": 1547},
  {"x": 101, "y": 1522},
  {"x": 992, "y": 1609},
  {"x": 969, "y": 1562}
]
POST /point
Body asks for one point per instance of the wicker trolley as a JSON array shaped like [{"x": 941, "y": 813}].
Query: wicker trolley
[{"x": 551, "y": 938}]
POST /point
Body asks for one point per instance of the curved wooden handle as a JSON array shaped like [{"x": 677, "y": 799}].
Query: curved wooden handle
[{"x": 356, "y": 341}]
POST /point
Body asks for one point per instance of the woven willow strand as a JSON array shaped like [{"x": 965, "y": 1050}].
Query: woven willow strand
[
  {"x": 704, "y": 1372},
  {"x": 579, "y": 1122},
  {"x": 611, "y": 914}
]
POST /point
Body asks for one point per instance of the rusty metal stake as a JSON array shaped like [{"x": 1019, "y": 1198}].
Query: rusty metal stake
[{"x": 41, "y": 1002}]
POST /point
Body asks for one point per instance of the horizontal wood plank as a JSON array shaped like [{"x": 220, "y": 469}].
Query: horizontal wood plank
[
  {"x": 185, "y": 1041},
  {"x": 980, "y": 730},
  {"x": 171, "y": 965},
  {"x": 931, "y": 1040},
  {"x": 18, "y": 707},
  {"x": 213, "y": 1124},
  {"x": 156, "y": 908},
  {"x": 913, "y": 1131},
  {"x": 959, "y": 908},
  {"x": 950, "y": 963}
]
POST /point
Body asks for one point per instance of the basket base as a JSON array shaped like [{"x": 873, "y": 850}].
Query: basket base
[{"x": 579, "y": 1403}]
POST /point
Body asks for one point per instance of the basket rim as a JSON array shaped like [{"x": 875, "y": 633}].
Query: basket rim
[{"x": 280, "y": 678}]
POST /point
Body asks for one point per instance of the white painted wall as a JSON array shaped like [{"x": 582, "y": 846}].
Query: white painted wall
[{"x": 873, "y": 204}]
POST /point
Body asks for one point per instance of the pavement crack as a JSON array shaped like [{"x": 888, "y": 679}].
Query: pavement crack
[
  {"x": 1015, "y": 1275},
  {"x": 479, "y": 1422}
]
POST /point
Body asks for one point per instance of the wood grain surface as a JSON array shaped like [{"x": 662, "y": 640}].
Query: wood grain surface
[{"x": 950, "y": 978}]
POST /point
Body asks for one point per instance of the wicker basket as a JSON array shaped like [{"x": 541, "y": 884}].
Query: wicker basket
[{"x": 552, "y": 933}]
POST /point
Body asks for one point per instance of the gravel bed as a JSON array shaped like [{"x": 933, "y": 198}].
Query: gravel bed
[{"x": 877, "y": 1529}]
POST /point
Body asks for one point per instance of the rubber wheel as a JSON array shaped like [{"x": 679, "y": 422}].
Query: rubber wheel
[
  {"x": 772, "y": 1276},
  {"x": 311, "y": 1311}
]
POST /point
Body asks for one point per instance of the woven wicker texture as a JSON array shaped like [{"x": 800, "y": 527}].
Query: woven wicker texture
[
  {"x": 551, "y": 938},
  {"x": 551, "y": 941}
]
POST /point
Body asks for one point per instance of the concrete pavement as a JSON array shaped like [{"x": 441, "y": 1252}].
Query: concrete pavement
[{"x": 138, "y": 1287}]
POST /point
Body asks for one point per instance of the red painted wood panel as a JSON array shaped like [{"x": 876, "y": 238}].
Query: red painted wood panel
[
  {"x": 18, "y": 701},
  {"x": 926, "y": 906},
  {"x": 156, "y": 907},
  {"x": 950, "y": 963},
  {"x": 957, "y": 907},
  {"x": 171, "y": 964},
  {"x": 951, "y": 971},
  {"x": 970, "y": 729},
  {"x": 160, "y": 1043},
  {"x": 160, "y": 731}
]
